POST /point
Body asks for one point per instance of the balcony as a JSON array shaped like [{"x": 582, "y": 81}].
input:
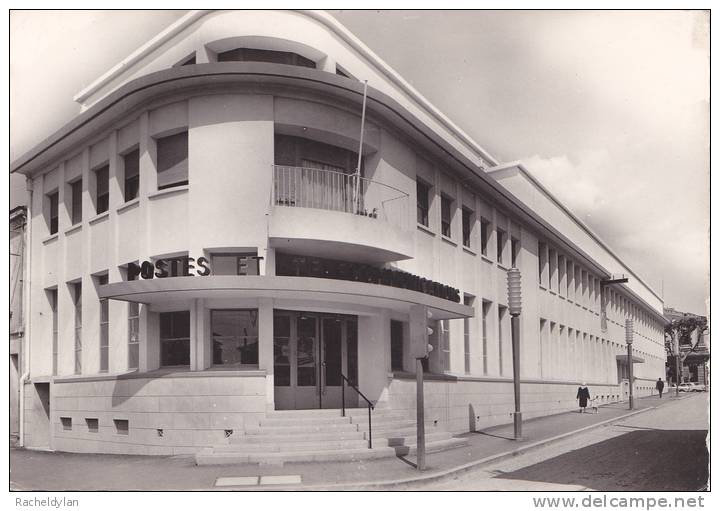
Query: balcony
[{"x": 318, "y": 211}]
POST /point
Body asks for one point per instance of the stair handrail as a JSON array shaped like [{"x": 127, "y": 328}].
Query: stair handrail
[{"x": 370, "y": 404}]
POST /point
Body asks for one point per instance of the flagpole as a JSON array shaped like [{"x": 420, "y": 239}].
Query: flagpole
[{"x": 359, "y": 163}]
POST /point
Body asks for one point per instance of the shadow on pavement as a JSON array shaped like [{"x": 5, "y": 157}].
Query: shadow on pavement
[{"x": 640, "y": 460}]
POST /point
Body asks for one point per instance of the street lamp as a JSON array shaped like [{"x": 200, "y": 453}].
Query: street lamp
[
  {"x": 629, "y": 341},
  {"x": 515, "y": 306}
]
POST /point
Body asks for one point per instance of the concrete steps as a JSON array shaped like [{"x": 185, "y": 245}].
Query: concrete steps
[{"x": 324, "y": 435}]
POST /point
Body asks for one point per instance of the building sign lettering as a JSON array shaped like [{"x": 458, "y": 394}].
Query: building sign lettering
[{"x": 169, "y": 267}]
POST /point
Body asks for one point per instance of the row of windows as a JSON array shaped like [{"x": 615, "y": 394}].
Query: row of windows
[
  {"x": 222, "y": 264},
  {"x": 172, "y": 170},
  {"x": 447, "y": 208},
  {"x": 560, "y": 274}
]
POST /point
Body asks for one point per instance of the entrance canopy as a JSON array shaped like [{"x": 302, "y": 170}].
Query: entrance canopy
[
  {"x": 635, "y": 359},
  {"x": 364, "y": 295}
]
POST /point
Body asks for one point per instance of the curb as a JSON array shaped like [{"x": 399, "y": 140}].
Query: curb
[{"x": 438, "y": 476}]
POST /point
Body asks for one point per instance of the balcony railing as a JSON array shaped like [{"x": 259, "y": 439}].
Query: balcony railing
[{"x": 303, "y": 187}]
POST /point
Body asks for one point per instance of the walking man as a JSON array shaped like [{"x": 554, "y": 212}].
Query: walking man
[{"x": 660, "y": 385}]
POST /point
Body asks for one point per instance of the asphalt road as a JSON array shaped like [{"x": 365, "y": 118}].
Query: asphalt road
[{"x": 659, "y": 450}]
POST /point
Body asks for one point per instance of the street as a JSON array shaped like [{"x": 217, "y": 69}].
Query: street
[{"x": 660, "y": 450}]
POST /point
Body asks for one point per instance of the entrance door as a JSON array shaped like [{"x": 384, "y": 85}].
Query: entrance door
[{"x": 311, "y": 351}]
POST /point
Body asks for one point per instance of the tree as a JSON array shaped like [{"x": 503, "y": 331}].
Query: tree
[{"x": 684, "y": 328}]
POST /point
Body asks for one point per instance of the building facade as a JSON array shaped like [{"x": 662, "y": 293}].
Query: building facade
[
  {"x": 694, "y": 351},
  {"x": 211, "y": 243}
]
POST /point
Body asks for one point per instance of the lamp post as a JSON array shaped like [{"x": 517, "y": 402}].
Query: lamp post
[
  {"x": 515, "y": 306},
  {"x": 678, "y": 366},
  {"x": 629, "y": 341}
]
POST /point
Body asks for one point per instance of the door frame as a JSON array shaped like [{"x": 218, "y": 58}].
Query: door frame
[{"x": 286, "y": 397}]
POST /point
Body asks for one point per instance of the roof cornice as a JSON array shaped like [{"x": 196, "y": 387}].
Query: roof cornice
[{"x": 329, "y": 22}]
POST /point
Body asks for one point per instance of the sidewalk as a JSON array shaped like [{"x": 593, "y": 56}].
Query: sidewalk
[{"x": 66, "y": 471}]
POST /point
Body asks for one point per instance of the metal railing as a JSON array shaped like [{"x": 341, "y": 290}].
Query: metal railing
[
  {"x": 305, "y": 187},
  {"x": 370, "y": 406}
]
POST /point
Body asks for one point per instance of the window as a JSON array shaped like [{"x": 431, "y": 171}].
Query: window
[
  {"x": 484, "y": 236},
  {"x": 132, "y": 174},
  {"x": 236, "y": 264},
  {"x": 423, "y": 203},
  {"x": 104, "y": 346},
  {"x": 542, "y": 264},
  {"x": 514, "y": 251},
  {"x": 562, "y": 286},
  {"x": 92, "y": 425},
  {"x": 501, "y": 317},
  {"x": 77, "y": 301},
  {"x": 175, "y": 338},
  {"x": 446, "y": 205},
  {"x": 467, "y": 224},
  {"x": 552, "y": 280},
  {"x": 172, "y": 161},
  {"x": 271, "y": 56},
  {"x": 76, "y": 202},
  {"x": 467, "y": 300},
  {"x": 102, "y": 190},
  {"x": 281, "y": 350},
  {"x": 235, "y": 337},
  {"x": 133, "y": 335},
  {"x": 396, "y": 345},
  {"x": 485, "y": 317},
  {"x": 501, "y": 240},
  {"x": 53, "y": 297},
  {"x": 52, "y": 199},
  {"x": 122, "y": 426},
  {"x": 66, "y": 423}
]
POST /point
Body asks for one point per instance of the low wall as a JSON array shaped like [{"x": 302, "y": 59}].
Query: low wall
[
  {"x": 193, "y": 410},
  {"x": 470, "y": 404}
]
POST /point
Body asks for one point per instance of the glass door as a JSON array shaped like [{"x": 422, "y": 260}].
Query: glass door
[{"x": 307, "y": 391}]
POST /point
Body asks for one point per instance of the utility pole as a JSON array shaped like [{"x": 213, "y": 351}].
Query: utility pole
[
  {"x": 629, "y": 341},
  {"x": 420, "y": 348}
]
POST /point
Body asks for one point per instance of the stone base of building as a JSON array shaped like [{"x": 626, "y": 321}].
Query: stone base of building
[{"x": 182, "y": 413}]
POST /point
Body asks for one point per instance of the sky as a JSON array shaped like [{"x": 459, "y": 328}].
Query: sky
[{"x": 608, "y": 109}]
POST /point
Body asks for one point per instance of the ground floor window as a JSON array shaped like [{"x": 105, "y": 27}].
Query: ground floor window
[
  {"x": 396, "y": 345},
  {"x": 175, "y": 338},
  {"x": 134, "y": 335},
  {"x": 235, "y": 337}
]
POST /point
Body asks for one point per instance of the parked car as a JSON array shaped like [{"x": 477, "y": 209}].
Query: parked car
[
  {"x": 685, "y": 387},
  {"x": 698, "y": 387}
]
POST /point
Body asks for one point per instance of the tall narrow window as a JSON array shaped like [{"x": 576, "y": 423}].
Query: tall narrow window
[
  {"x": 501, "y": 241},
  {"x": 172, "y": 160},
  {"x": 53, "y": 298},
  {"x": 281, "y": 349},
  {"x": 53, "y": 212},
  {"x": 423, "y": 203},
  {"x": 484, "y": 236},
  {"x": 467, "y": 300},
  {"x": 485, "y": 326},
  {"x": 235, "y": 337},
  {"x": 396, "y": 345},
  {"x": 77, "y": 302},
  {"x": 134, "y": 335},
  {"x": 514, "y": 251},
  {"x": 446, "y": 205},
  {"x": 104, "y": 345},
  {"x": 102, "y": 189},
  {"x": 501, "y": 334},
  {"x": 132, "y": 174},
  {"x": 76, "y": 202},
  {"x": 467, "y": 221},
  {"x": 552, "y": 279},
  {"x": 542, "y": 264},
  {"x": 175, "y": 338}
]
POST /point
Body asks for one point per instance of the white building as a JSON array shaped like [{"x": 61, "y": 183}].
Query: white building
[{"x": 202, "y": 256}]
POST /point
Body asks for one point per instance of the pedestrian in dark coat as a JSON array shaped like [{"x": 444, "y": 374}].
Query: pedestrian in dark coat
[
  {"x": 660, "y": 385},
  {"x": 583, "y": 395}
]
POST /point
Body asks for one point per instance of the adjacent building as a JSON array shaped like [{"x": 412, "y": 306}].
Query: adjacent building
[
  {"x": 211, "y": 243},
  {"x": 18, "y": 220}
]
